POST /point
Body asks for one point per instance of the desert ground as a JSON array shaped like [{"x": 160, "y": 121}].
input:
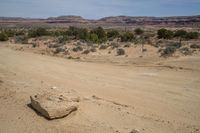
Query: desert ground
[{"x": 151, "y": 96}]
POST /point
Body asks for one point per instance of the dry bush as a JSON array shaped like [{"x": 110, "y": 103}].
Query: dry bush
[
  {"x": 86, "y": 51},
  {"x": 103, "y": 47},
  {"x": 78, "y": 48},
  {"x": 120, "y": 51},
  {"x": 195, "y": 46}
]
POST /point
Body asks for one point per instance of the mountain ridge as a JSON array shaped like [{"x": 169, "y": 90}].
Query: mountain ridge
[{"x": 110, "y": 20}]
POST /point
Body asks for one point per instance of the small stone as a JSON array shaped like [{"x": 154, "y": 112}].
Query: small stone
[
  {"x": 54, "y": 87},
  {"x": 135, "y": 131}
]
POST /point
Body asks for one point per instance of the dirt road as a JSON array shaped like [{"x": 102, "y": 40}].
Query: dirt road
[{"x": 152, "y": 99}]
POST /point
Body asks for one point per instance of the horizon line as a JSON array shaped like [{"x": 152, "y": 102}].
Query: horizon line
[{"x": 100, "y": 17}]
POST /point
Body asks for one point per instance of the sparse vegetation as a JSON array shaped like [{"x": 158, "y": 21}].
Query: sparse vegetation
[
  {"x": 127, "y": 37},
  {"x": 21, "y": 39},
  {"x": 88, "y": 39},
  {"x": 3, "y": 37},
  {"x": 168, "y": 51},
  {"x": 103, "y": 47},
  {"x": 112, "y": 34},
  {"x": 120, "y": 52},
  {"x": 127, "y": 45},
  {"x": 78, "y": 48},
  {"x": 86, "y": 51},
  {"x": 195, "y": 46},
  {"x": 59, "y": 49},
  {"x": 38, "y": 32},
  {"x": 165, "y": 34},
  {"x": 138, "y": 31}
]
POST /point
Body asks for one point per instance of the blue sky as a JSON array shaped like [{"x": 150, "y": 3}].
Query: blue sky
[{"x": 94, "y": 9}]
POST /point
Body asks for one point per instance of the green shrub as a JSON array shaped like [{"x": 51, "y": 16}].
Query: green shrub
[
  {"x": 112, "y": 34},
  {"x": 3, "y": 37},
  {"x": 82, "y": 34},
  {"x": 138, "y": 31},
  {"x": 93, "y": 38},
  {"x": 78, "y": 33},
  {"x": 9, "y": 32},
  {"x": 127, "y": 37},
  {"x": 180, "y": 33},
  {"x": 101, "y": 34},
  {"x": 72, "y": 31},
  {"x": 38, "y": 32},
  {"x": 192, "y": 35},
  {"x": 164, "y": 34},
  {"x": 63, "y": 39}
]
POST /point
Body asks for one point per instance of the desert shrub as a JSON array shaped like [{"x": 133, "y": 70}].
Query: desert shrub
[
  {"x": 63, "y": 39},
  {"x": 55, "y": 45},
  {"x": 93, "y": 38},
  {"x": 3, "y": 37},
  {"x": 20, "y": 32},
  {"x": 180, "y": 33},
  {"x": 127, "y": 37},
  {"x": 120, "y": 51},
  {"x": 168, "y": 51},
  {"x": 114, "y": 45},
  {"x": 144, "y": 50},
  {"x": 86, "y": 51},
  {"x": 101, "y": 34},
  {"x": 93, "y": 49},
  {"x": 112, "y": 34},
  {"x": 34, "y": 45},
  {"x": 103, "y": 47},
  {"x": 185, "y": 51},
  {"x": 164, "y": 34},
  {"x": 21, "y": 39},
  {"x": 78, "y": 33},
  {"x": 9, "y": 32},
  {"x": 59, "y": 49},
  {"x": 38, "y": 32},
  {"x": 83, "y": 34},
  {"x": 138, "y": 31},
  {"x": 127, "y": 45},
  {"x": 78, "y": 48},
  {"x": 78, "y": 43},
  {"x": 192, "y": 35},
  {"x": 56, "y": 33},
  {"x": 72, "y": 31},
  {"x": 195, "y": 46},
  {"x": 176, "y": 45}
]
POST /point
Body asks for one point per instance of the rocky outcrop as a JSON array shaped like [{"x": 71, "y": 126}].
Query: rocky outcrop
[{"x": 53, "y": 105}]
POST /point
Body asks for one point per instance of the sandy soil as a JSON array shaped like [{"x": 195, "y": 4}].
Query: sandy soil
[{"x": 160, "y": 97}]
